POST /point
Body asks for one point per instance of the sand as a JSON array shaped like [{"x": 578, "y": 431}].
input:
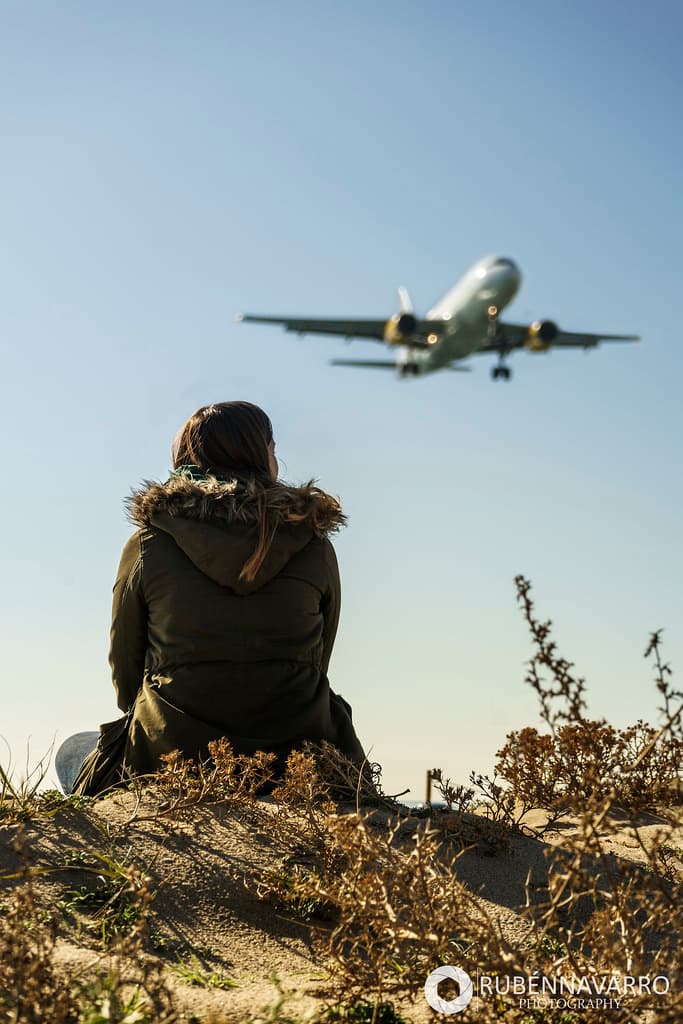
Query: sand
[{"x": 204, "y": 871}]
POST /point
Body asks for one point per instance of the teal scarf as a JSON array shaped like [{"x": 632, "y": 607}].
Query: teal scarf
[
  {"x": 192, "y": 472},
  {"x": 189, "y": 471}
]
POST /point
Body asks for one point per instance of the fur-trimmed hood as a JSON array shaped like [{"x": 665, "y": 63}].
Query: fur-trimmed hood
[
  {"x": 212, "y": 499},
  {"x": 216, "y": 521}
]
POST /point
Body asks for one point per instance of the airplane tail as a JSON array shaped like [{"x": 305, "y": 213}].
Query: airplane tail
[
  {"x": 373, "y": 364},
  {"x": 404, "y": 303},
  {"x": 389, "y": 364}
]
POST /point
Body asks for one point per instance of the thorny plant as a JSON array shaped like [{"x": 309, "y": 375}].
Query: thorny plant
[
  {"x": 315, "y": 775},
  {"x": 184, "y": 783},
  {"x": 582, "y": 758},
  {"x": 579, "y": 757},
  {"x": 458, "y": 798},
  {"x": 315, "y": 779},
  {"x": 560, "y": 772},
  {"x": 345, "y": 781},
  {"x": 490, "y": 830},
  {"x": 398, "y": 910},
  {"x": 561, "y": 699},
  {"x": 625, "y": 917}
]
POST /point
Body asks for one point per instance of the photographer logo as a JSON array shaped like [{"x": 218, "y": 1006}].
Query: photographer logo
[{"x": 463, "y": 981}]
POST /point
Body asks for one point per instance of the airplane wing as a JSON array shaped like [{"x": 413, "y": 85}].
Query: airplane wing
[
  {"x": 517, "y": 336},
  {"x": 369, "y": 329}
]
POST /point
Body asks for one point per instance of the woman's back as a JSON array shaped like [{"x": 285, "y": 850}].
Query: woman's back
[{"x": 201, "y": 652}]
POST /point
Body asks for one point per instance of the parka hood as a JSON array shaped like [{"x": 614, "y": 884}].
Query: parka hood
[{"x": 216, "y": 521}]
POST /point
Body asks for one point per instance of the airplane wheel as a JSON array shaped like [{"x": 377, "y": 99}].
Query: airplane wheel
[
  {"x": 495, "y": 372},
  {"x": 507, "y": 372}
]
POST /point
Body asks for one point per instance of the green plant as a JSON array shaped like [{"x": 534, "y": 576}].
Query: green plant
[
  {"x": 192, "y": 972},
  {"x": 19, "y": 795},
  {"x": 102, "y": 1001},
  {"x": 34, "y": 990},
  {"x": 363, "y": 1012},
  {"x": 282, "y": 886},
  {"x": 119, "y": 898}
]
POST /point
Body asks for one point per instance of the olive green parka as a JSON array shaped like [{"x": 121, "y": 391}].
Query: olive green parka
[{"x": 199, "y": 653}]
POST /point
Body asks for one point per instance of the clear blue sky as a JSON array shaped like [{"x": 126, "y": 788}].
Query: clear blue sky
[{"x": 165, "y": 165}]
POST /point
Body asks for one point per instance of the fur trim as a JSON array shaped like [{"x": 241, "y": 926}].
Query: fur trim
[{"x": 235, "y": 501}]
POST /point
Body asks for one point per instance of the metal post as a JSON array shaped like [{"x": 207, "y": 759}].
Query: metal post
[{"x": 428, "y": 796}]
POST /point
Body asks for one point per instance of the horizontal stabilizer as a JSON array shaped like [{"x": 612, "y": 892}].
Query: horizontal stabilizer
[{"x": 373, "y": 364}]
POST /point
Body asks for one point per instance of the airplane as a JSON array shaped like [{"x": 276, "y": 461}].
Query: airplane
[{"x": 465, "y": 322}]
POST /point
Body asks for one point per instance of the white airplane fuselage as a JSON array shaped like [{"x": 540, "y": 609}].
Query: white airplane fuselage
[{"x": 467, "y": 311}]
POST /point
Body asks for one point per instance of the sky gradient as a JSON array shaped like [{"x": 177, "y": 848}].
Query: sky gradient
[{"x": 166, "y": 165}]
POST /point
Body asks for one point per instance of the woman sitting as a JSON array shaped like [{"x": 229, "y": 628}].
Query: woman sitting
[{"x": 226, "y": 604}]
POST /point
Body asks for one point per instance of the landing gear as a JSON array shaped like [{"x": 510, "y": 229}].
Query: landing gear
[
  {"x": 409, "y": 370},
  {"x": 496, "y": 342},
  {"x": 492, "y": 331}
]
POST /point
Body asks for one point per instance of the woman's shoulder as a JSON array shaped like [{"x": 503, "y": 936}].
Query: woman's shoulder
[
  {"x": 318, "y": 562},
  {"x": 141, "y": 542}
]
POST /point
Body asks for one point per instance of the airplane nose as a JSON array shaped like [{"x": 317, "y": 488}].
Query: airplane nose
[
  {"x": 508, "y": 273},
  {"x": 504, "y": 263}
]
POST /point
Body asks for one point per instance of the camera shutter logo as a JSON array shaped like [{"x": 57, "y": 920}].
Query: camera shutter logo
[{"x": 448, "y": 1005}]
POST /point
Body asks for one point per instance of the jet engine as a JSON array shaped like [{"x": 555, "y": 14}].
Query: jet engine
[
  {"x": 399, "y": 328},
  {"x": 540, "y": 335}
]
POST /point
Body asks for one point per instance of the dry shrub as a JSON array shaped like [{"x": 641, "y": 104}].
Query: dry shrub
[
  {"x": 224, "y": 777},
  {"x": 457, "y": 798},
  {"x": 316, "y": 780},
  {"x": 345, "y": 781},
  {"x": 300, "y": 799},
  {"x": 315, "y": 773},
  {"x": 602, "y": 913},
  {"x": 302, "y": 787},
  {"x": 31, "y": 989},
  {"x": 587, "y": 759},
  {"x": 398, "y": 912},
  {"x": 388, "y": 908}
]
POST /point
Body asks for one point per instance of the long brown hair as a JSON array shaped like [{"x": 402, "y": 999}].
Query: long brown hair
[
  {"x": 226, "y": 439},
  {"x": 231, "y": 439}
]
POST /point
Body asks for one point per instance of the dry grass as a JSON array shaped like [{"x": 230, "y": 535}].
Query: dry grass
[
  {"x": 123, "y": 988},
  {"x": 381, "y": 890},
  {"x": 398, "y": 911}
]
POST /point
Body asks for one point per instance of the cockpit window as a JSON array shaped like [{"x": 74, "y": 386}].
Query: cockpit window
[{"x": 504, "y": 262}]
